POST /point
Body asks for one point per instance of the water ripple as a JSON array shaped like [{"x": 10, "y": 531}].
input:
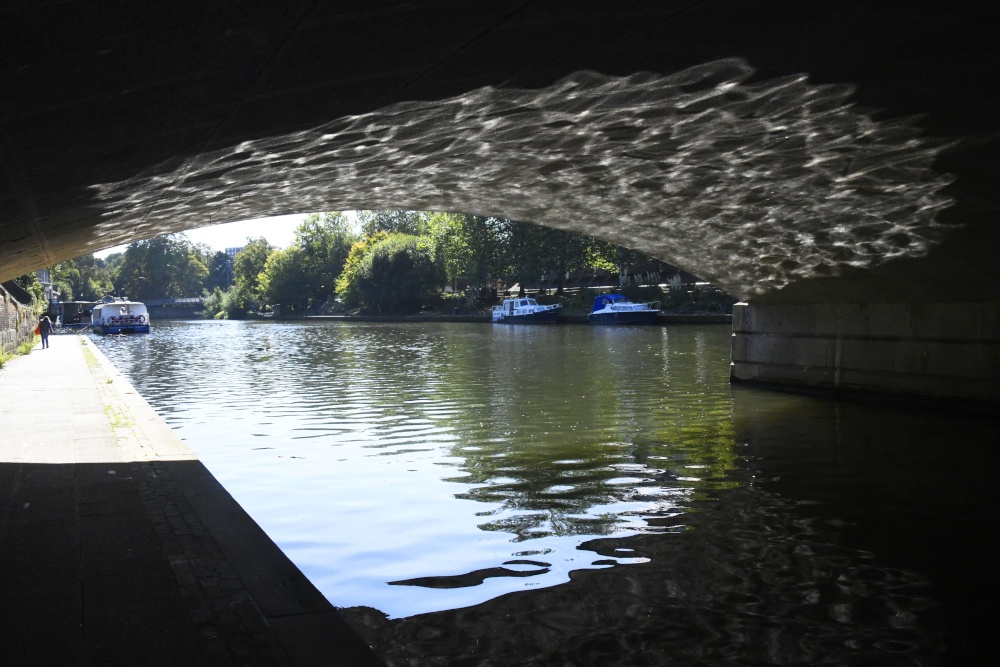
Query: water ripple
[
  {"x": 486, "y": 439},
  {"x": 644, "y": 534}
]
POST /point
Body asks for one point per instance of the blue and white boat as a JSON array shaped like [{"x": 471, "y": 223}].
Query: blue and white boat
[
  {"x": 524, "y": 311},
  {"x": 617, "y": 309},
  {"x": 115, "y": 315}
]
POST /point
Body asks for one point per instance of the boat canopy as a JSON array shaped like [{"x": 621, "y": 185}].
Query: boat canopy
[{"x": 605, "y": 299}]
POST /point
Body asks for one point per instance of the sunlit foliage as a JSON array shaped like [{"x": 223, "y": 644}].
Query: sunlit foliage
[
  {"x": 399, "y": 274},
  {"x": 159, "y": 268}
]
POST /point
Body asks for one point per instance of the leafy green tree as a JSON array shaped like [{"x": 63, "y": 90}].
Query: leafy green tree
[
  {"x": 304, "y": 275},
  {"x": 212, "y": 308},
  {"x": 84, "y": 278},
  {"x": 347, "y": 282},
  {"x": 222, "y": 305},
  {"x": 543, "y": 254},
  {"x": 29, "y": 283},
  {"x": 454, "y": 247},
  {"x": 472, "y": 249},
  {"x": 323, "y": 242},
  {"x": 629, "y": 261},
  {"x": 63, "y": 287},
  {"x": 283, "y": 279},
  {"x": 167, "y": 266},
  {"x": 112, "y": 265},
  {"x": 399, "y": 274},
  {"x": 247, "y": 267},
  {"x": 393, "y": 222},
  {"x": 220, "y": 272},
  {"x": 490, "y": 242}
]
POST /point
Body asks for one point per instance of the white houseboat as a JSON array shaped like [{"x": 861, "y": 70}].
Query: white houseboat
[{"x": 115, "y": 315}]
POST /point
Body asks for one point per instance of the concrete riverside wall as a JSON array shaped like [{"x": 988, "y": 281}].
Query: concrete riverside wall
[
  {"x": 17, "y": 323},
  {"x": 945, "y": 350}
]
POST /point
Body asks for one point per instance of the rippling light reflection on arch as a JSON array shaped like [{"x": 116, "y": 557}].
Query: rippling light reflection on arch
[{"x": 751, "y": 184}]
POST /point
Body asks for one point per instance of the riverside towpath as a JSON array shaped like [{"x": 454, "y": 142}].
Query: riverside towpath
[{"x": 118, "y": 547}]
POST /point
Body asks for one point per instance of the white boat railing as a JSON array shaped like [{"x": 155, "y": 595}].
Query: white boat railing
[{"x": 629, "y": 307}]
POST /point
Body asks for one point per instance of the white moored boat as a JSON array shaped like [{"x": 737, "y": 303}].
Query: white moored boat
[
  {"x": 616, "y": 309},
  {"x": 115, "y": 315},
  {"x": 524, "y": 311}
]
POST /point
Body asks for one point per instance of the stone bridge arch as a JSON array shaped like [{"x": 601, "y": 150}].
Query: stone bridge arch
[{"x": 833, "y": 166}]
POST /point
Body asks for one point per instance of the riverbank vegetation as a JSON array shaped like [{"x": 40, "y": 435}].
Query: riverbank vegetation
[
  {"x": 24, "y": 348},
  {"x": 386, "y": 262}
]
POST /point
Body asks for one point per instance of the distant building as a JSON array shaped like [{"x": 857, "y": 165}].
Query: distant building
[
  {"x": 51, "y": 294},
  {"x": 232, "y": 252}
]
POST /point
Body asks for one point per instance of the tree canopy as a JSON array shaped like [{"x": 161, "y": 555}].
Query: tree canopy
[
  {"x": 399, "y": 274},
  {"x": 304, "y": 275},
  {"x": 85, "y": 278},
  {"x": 163, "y": 267},
  {"x": 401, "y": 261},
  {"x": 247, "y": 267},
  {"x": 393, "y": 222}
]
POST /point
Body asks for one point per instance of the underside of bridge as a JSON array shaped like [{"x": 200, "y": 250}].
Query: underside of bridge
[{"x": 834, "y": 164}]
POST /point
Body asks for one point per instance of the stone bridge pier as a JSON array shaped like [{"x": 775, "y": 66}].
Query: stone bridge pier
[
  {"x": 832, "y": 164},
  {"x": 947, "y": 351},
  {"x": 923, "y": 326}
]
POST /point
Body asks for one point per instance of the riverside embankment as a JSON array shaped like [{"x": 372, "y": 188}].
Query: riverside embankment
[
  {"x": 118, "y": 547},
  {"x": 564, "y": 318}
]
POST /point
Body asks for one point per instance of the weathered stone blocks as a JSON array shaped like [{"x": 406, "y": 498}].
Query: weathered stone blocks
[{"x": 17, "y": 323}]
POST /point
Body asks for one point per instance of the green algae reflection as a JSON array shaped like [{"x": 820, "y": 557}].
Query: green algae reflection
[
  {"x": 586, "y": 431},
  {"x": 556, "y": 430}
]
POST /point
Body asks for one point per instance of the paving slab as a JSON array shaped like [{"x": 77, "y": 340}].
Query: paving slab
[{"x": 118, "y": 547}]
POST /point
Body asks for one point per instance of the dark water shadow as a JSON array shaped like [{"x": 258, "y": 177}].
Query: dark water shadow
[
  {"x": 476, "y": 577},
  {"x": 857, "y": 536}
]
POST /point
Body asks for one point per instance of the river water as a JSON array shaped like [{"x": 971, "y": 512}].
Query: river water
[{"x": 472, "y": 494}]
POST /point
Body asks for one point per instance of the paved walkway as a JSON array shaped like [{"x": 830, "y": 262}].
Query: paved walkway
[{"x": 118, "y": 547}]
